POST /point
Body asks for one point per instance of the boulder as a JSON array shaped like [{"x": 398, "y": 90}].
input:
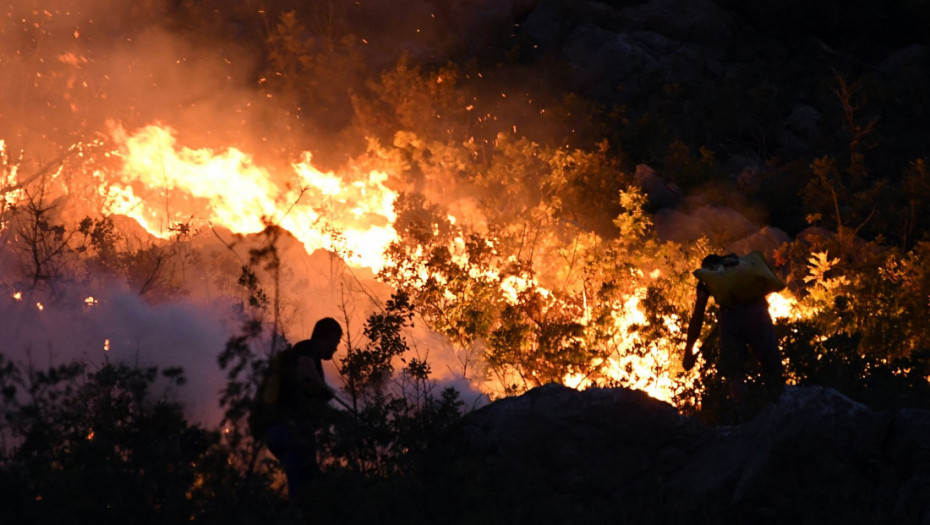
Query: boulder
[{"x": 555, "y": 437}]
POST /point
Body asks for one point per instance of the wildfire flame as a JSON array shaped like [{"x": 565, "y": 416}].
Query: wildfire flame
[
  {"x": 228, "y": 189},
  {"x": 647, "y": 372}
]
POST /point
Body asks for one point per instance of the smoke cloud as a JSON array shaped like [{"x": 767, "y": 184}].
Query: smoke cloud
[{"x": 119, "y": 326}]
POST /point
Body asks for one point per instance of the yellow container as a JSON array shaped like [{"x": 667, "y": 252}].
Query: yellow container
[{"x": 749, "y": 280}]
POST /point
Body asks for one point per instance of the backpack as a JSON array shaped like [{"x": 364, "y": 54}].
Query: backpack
[
  {"x": 738, "y": 280},
  {"x": 265, "y": 407}
]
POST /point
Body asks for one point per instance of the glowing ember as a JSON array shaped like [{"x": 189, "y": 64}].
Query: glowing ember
[
  {"x": 90, "y": 301},
  {"x": 40, "y": 306},
  {"x": 106, "y": 345},
  {"x": 18, "y": 296}
]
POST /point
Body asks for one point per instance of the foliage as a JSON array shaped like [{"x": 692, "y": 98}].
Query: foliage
[
  {"x": 367, "y": 370},
  {"x": 613, "y": 310},
  {"x": 45, "y": 242},
  {"x": 875, "y": 296},
  {"x": 316, "y": 67},
  {"x": 837, "y": 362},
  {"x": 395, "y": 416},
  {"x": 147, "y": 267},
  {"x": 90, "y": 443},
  {"x": 687, "y": 169}
]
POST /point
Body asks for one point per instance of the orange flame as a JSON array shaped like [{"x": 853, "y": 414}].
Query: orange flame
[
  {"x": 227, "y": 189},
  {"x": 650, "y": 372},
  {"x": 783, "y": 306}
]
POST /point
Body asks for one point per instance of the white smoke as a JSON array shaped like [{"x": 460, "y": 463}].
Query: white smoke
[{"x": 120, "y": 327}]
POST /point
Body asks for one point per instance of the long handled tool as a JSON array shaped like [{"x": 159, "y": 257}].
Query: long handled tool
[{"x": 344, "y": 404}]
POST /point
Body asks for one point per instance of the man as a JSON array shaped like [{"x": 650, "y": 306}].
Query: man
[
  {"x": 739, "y": 285},
  {"x": 292, "y": 416}
]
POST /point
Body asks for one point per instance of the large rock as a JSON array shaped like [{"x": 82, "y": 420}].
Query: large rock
[
  {"x": 558, "y": 438},
  {"x": 814, "y": 456}
]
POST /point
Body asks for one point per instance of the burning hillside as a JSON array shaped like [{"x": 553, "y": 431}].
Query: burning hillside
[
  {"x": 181, "y": 198},
  {"x": 507, "y": 246},
  {"x": 140, "y": 158}
]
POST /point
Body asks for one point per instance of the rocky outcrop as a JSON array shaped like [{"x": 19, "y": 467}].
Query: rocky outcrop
[
  {"x": 814, "y": 456},
  {"x": 633, "y": 43},
  {"x": 733, "y": 74}
]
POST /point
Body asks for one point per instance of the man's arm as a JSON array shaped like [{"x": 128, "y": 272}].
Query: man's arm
[
  {"x": 694, "y": 326},
  {"x": 312, "y": 382}
]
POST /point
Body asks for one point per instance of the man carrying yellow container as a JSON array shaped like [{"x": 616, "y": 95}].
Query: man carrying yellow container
[{"x": 739, "y": 286}]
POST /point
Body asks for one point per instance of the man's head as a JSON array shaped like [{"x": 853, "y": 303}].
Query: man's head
[
  {"x": 714, "y": 261},
  {"x": 328, "y": 333},
  {"x": 711, "y": 261}
]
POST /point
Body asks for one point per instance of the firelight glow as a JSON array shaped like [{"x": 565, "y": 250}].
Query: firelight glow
[
  {"x": 645, "y": 369},
  {"x": 783, "y": 306},
  {"x": 334, "y": 212},
  {"x": 162, "y": 184}
]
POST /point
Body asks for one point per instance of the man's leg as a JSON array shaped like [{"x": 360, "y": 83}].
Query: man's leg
[
  {"x": 297, "y": 455},
  {"x": 764, "y": 345},
  {"x": 306, "y": 469},
  {"x": 732, "y": 365}
]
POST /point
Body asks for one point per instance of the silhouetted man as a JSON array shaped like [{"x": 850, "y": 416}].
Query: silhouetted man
[
  {"x": 290, "y": 419},
  {"x": 739, "y": 285}
]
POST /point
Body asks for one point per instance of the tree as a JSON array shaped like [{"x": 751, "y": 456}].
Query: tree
[{"x": 46, "y": 244}]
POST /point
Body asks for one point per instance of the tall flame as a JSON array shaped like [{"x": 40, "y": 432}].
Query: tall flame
[
  {"x": 647, "y": 370},
  {"x": 163, "y": 184}
]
